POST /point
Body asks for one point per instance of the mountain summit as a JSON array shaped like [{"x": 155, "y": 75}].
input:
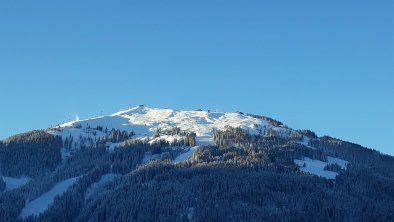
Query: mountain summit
[{"x": 144, "y": 121}]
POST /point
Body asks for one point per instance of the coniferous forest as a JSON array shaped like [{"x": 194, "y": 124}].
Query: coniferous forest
[{"x": 243, "y": 177}]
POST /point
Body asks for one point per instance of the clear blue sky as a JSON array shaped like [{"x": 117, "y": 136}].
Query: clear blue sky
[{"x": 323, "y": 65}]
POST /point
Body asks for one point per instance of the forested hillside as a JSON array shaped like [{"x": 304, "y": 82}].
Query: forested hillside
[{"x": 30, "y": 154}]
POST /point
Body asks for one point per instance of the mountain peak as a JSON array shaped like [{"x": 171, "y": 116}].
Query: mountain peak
[{"x": 145, "y": 121}]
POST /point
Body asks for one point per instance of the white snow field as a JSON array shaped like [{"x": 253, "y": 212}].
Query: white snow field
[
  {"x": 186, "y": 155},
  {"x": 305, "y": 142},
  {"x": 39, "y": 205},
  {"x": 144, "y": 122},
  {"x": 13, "y": 183},
  {"x": 316, "y": 167}
]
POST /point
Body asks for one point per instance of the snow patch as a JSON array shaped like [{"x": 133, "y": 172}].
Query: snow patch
[
  {"x": 13, "y": 183},
  {"x": 42, "y": 203},
  {"x": 186, "y": 155},
  {"x": 316, "y": 167},
  {"x": 190, "y": 213},
  {"x": 204, "y": 140},
  {"x": 169, "y": 138},
  {"x": 305, "y": 142}
]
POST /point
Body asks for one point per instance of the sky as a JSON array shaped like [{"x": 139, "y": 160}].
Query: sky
[{"x": 327, "y": 66}]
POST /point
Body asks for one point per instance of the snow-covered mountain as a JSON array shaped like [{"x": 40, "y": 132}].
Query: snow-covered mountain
[
  {"x": 153, "y": 124},
  {"x": 145, "y": 122},
  {"x": 116, "y": 167}
]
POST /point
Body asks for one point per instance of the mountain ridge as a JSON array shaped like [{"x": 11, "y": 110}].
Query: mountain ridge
[{"x": 144, "y": 120}]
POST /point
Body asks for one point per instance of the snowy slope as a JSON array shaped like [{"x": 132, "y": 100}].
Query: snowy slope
[
  {"x": 305, "y": 142},
  {"x": 145, "y": 121},
  {"x": 316, "y": 167},
  {"x": 186, "y": 155},
  {"x": 42, "y": 203},
  {"x": 13, "y": 183}
]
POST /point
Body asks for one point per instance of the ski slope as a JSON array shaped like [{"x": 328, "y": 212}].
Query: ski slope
[
  {"x": 186, "y": 155},
  {"x": 42, "y": 203},
  {"x": 316, "y": 167}
]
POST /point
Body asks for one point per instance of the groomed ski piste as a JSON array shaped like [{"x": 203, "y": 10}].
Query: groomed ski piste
[
  {"x": 41, "y": 204},
  {"x": 316, "y": 167}
]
